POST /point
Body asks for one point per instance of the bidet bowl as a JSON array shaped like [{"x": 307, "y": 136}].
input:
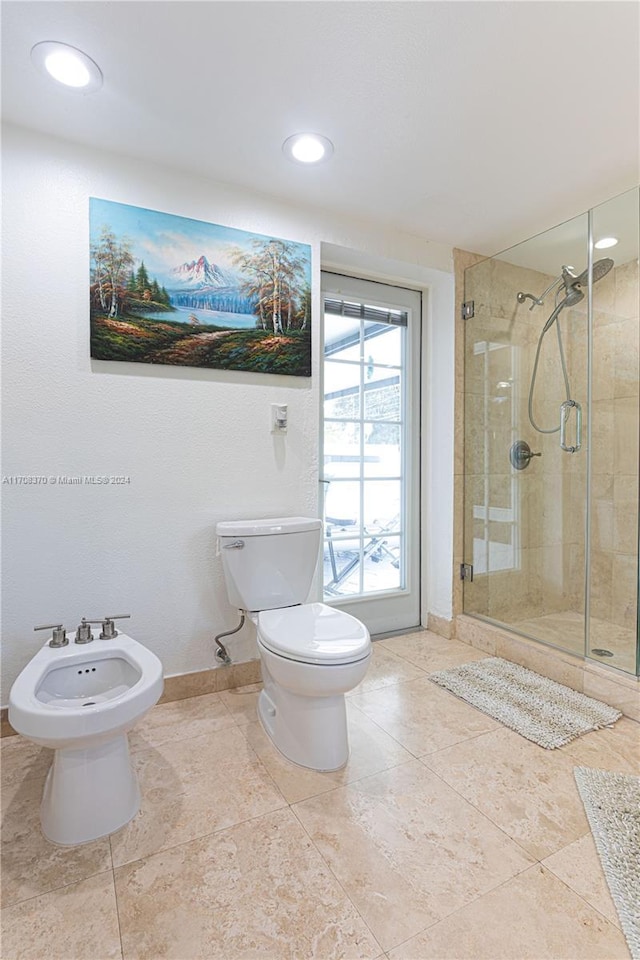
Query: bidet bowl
[
  {"x": 83, "y": 685},
  {"x": 85, "y": 693}
]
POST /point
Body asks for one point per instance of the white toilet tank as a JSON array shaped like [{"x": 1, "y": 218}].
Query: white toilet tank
[{"x": 269, "y": 563}]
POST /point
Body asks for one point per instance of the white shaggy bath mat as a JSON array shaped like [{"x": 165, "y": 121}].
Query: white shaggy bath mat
[
  {"x": 612, "y": 804},
  {"x": 539, "y": 709}
]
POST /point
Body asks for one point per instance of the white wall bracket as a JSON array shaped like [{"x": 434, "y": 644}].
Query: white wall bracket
[{"x": 279, "y": 418}]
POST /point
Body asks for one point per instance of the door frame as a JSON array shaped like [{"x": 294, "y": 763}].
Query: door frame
[{"x": 394, "y": 610}]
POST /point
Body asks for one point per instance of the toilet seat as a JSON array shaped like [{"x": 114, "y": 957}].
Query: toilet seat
[{"x": 313, "y": 633}]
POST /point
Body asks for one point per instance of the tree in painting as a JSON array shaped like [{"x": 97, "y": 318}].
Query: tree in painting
[
  {"x": 274, "y": 277},
  {"x": 113, "y": 260},
  {"x": 115, "y": 286}
]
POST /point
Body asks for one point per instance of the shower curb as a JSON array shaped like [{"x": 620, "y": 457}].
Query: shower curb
[{"x": 601, "y": 682}]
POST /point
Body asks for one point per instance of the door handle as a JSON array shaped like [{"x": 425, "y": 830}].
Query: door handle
[{"x": 565, "y": 410}]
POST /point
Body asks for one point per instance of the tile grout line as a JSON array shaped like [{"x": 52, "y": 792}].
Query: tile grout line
[
  {"x": 333, "y": 874},
  {"x": 464, "y": 906},
  {"x": 528, "y": 866},
  {"x": 473, "y": 736},
  {"x": 590, "y": 906},
  {"x": 63, "y": 886},
  {"x": 497, "y": 825},
  {"x": 335, "y": 785},
  {"x": 203, "y": 836},
  {"x": 478, "y": 810},
  {"x": 115, "y": 896},
  {"x": 256, "y": 759},
  {"x": 546, "y": 866},
  {"x": 155, "y": 746}
]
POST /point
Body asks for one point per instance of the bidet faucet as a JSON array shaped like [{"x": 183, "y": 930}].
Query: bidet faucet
[
  {"x": 83, "y": 633},
  {"x": 109, "y": 631},
  {"x": 59, "y": 637}
]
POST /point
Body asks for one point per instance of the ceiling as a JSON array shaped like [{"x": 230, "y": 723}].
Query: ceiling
[{"x": 476, "y": 124}]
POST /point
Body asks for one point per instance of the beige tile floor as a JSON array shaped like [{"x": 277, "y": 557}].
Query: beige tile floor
[{"x": 445, "y": 836}]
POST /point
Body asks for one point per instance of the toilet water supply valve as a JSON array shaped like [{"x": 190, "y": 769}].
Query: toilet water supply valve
[
  {"x": 83, "y": 633},
  {"x": 221, "y": 652}
]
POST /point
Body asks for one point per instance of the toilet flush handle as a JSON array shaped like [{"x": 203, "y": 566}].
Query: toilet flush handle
[
  {"x": 234, "y": 545},
  {"x": 59, "y": 637}
]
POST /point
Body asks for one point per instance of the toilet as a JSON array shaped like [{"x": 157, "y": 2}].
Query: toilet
[
  {"x": 80, "y": 699},
  {"x": 311, "y": 654}
]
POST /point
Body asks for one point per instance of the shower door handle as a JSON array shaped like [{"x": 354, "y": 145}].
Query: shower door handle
[{"x": 565, "y": 409}]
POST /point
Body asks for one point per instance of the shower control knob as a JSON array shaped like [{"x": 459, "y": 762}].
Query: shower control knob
[{"x": 521, "y": 454}]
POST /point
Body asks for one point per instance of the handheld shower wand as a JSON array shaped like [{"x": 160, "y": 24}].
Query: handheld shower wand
[{"x": 573, "y": 294}]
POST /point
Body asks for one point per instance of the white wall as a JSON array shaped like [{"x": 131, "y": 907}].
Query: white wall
[{"x": 195, "y": 442}]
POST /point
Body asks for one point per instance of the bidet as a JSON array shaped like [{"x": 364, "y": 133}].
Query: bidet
[{"x": 80, "y": 700}]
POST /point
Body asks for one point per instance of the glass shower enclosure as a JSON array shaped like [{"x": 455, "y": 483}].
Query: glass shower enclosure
[{"x": 552, "y": 421}]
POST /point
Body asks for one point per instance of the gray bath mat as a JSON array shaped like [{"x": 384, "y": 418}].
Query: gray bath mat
[
  {"x": 539, "y": 709},
  {"x": 612, "y": 804}
]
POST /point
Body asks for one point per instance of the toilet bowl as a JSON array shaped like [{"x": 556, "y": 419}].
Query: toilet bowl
[
  {"x": 80, "y": 701},
  {"x": 311, "y": 654}
]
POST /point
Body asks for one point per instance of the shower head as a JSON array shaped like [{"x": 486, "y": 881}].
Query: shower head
[
  {"x": 573, "y": 284},
  {"x": 599, "y": 270},
  {"x": 573, "y": 293},
  {"x": 572, "y": 287}
]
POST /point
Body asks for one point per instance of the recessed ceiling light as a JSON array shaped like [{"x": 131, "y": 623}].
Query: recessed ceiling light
[
  {"x": 307, "y": 148},
  {"x": 605, "y": 242},
  {"x": 67, "y": 65}
]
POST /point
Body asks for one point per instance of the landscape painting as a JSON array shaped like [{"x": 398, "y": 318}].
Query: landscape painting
[{"x": 167, "y": 289}]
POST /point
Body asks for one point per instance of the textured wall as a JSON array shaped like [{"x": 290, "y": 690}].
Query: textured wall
[{"x": 195, "y": 443}]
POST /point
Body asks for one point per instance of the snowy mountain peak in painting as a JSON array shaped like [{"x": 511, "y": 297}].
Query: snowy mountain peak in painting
[{"x": 201, "y": 273}]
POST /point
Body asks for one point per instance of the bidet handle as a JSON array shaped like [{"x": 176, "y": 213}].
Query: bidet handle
[
  {"x": 59, "y": 637},
  {"x": 83, "y": 633},
  {"x": 109, "y": 631}
]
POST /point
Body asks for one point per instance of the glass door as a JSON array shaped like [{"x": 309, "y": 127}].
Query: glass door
[
  {"x": 527, "y": 437},
  {"x": 370, "y": 448}
]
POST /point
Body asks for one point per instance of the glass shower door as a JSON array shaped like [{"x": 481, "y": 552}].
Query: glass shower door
[
  {"x": 615, "y": 425},
  {"x": 526, "y": 425}
]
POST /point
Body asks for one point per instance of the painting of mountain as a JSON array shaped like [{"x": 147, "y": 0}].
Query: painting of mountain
[{"x": 170, "y": 290}]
